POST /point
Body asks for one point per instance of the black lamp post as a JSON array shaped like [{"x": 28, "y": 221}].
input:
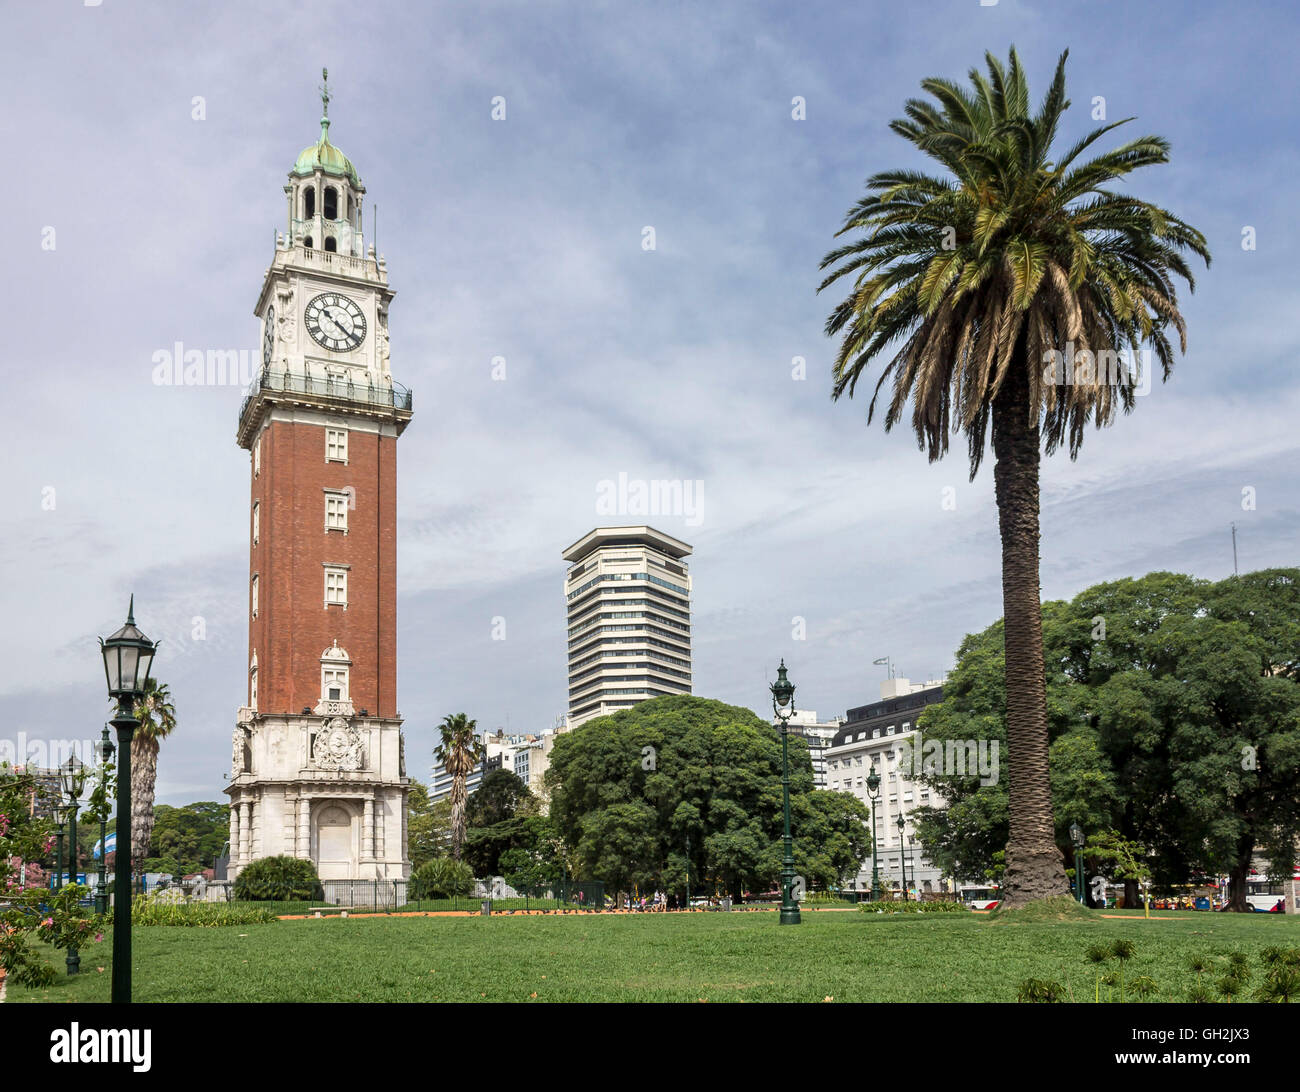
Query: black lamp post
[
  {"x": 902, "y": 853},
  {"x": 101, "y": 887},
  {"x": 73, "y": 777},
  {"x": 873, "y": 791},
  {"x": 128, "y": 655},
  {"x": 60, "y": 812},
  {"x": 1077, "y": 838},
  {"x": 783, "y": 707}
]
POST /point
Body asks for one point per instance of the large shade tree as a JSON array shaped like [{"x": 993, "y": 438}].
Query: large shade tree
[
  {"x": 998, "y": 295},
  {"x": 459, "y": 751}
]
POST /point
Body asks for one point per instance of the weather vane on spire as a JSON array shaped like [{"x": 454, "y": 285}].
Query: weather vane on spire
[{"x": 325, "y": 90}]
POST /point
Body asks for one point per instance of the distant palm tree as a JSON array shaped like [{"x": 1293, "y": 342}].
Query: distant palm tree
[
  {"x": 975, "y": 280},
  {"x": 459, "y": 752},
  {"x": 157, "y": 717}
]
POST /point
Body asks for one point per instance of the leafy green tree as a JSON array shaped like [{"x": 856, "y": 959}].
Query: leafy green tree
[
  {"x": 982, "y": 281},
  {"x": 495, "y": 819},
  {"x": 190, "y": 838},
  {"x": 500, "y": 795},
  {"x": 684, "y": 782},
  {"x": 459, "y": 751},
  {"x": 1174, "y": 718},
  {"x": 428, "y": 825},
  {"x": 534, "y": 862}
]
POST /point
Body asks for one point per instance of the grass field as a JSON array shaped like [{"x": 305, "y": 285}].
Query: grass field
[{"x": 845, "y": 956}]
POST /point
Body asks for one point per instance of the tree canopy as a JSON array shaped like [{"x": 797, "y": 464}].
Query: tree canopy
[
  {"x": 680, "y": 782},
  {"x": 1174, "y": 716}
]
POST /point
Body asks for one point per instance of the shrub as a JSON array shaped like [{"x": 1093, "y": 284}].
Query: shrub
[
  {"x": 914, "y": 908},
  {"x": 152, "y": 910},
  {"x": 441, "y": 878},
  {"x": 1040, "y": 991},
  {"x": 279, "y": 879}
]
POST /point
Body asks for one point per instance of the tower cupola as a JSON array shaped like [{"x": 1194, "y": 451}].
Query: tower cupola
[{"x": 325, "y": 194}]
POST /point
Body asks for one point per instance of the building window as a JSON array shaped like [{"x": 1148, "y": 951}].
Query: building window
[
  {"x": 257, "y": 521},
  {"x": 331, "y": 205},
  {"x": 252, "y": 684},
  {"x": 336, "y": 587},
  {"x": 255, "y": 584},
  {"x": 307, "y": 242},
  {"x": 257, "y": 457},
  {"x": 330, "y": 245},
  {"x": 336, "y": 512},
  {"x": 334, "y": 684},
  {"x": 309, "y": 205},
  {"x": 336, "y": 445}
]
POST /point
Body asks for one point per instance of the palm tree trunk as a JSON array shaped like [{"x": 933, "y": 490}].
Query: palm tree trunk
[
  {"x": 144, "y": 774},
  {"x": 1034, "y": 865},
  {"x": 457, "y": 814}
]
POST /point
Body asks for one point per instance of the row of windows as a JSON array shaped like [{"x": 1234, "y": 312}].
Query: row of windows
[
  {"x": 647, "y": 615},
  {"x": 629, "y": 666},
  {"x": 654, "y": 601},
  {"x": 601, "y": 697},
  {"x": 644, "y": 641},
  {"x": 625, "y": 629},
  {"x": 607, "y": 653},
  {"x": 667, "y": 606},
  {"x": 627, "y": 576},
  {"x": 336, "y": 449}
]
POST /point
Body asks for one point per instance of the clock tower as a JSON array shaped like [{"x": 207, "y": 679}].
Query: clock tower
[{"x": 318, "y": 769}]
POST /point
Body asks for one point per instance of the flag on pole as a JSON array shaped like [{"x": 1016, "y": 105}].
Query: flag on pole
[{"x": 109, "y": 843}]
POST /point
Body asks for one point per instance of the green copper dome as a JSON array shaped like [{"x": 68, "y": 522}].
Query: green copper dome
[{"x": 325, "y": 157}]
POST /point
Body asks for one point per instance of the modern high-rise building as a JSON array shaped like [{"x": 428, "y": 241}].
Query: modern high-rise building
[
  {"x": 628, "y": 596},
  {"x": 317, "y": 768}
]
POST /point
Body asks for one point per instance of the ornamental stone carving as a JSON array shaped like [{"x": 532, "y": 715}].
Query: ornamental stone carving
[{"x": 338, "y": 746}]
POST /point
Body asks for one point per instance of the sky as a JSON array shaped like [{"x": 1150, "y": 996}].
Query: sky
[{"x": 147, "y": 149}]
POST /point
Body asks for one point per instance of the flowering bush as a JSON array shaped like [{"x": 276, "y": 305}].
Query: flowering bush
[{"x": 28, "y": 909}]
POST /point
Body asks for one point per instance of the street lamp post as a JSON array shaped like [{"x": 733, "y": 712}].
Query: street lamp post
[
  {"x": 73, "y": 776},
  {"x": 783, "y": 707},
  {"x": 101, "y": 887},
  {"x": 59, "y": 815},
  {"x": 873, "y": 791},
  {"x": 128, "y": 655},
  {"x": 902, "y": 853},
  {"x": 1077, "y": 838}
]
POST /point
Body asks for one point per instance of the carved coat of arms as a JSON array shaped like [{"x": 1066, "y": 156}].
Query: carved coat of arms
[{"x": 338, "y": 747}]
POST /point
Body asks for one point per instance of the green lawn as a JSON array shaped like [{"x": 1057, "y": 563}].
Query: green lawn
[{"x": 848, "y": 956}]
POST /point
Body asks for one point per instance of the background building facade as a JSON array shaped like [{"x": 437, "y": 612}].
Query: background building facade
[
  {"x": 628, "y": 596},
  {"x": 876, "y": 734}
]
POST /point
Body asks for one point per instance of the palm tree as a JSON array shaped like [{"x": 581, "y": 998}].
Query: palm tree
[
  {"x": 157, "y": 717},
  {"x": 459, "y": 752},
  {"x": 975, "y": 280}
]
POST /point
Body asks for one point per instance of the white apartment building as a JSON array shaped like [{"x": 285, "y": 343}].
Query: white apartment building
[
  {"x": 628, "y": 596},
  {"x": 819, "y": 735},
  {"x": 873, "y": 735}
]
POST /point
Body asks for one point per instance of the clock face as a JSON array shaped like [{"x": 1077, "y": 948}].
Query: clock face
[
  {"x": 268, "y": 336},
  {"x": 335, "y": 322}
]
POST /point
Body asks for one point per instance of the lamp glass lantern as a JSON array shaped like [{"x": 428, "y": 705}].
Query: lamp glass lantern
[
  {"x": 73, "y": 776},
  {"x": 128, "y": 656},
  {"x": 782, "y": 693},
  {"x": 1076, "y": 835}
]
